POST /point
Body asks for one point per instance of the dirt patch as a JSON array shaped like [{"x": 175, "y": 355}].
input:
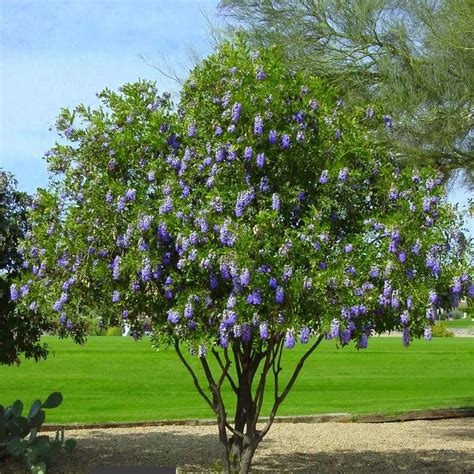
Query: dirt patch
[{"x": 441, "y": 446}]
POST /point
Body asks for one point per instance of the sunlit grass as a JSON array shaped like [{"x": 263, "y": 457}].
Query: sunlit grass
[{"x": 118, "y": 379}]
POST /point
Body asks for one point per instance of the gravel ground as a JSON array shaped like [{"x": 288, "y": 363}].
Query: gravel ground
[{"x": 441, "y": 446}]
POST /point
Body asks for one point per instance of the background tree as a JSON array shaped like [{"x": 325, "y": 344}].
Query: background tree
[
  {"x": 17, "y": 335},
  {"x": 415, "y": 57},
  {"x": 261, "y": 213}
]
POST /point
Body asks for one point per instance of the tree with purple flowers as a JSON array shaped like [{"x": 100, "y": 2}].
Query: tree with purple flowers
[{"x": 259, "y": 214}]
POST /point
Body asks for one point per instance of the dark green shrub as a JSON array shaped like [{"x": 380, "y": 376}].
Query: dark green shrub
[{"x": 19, "y": 434}]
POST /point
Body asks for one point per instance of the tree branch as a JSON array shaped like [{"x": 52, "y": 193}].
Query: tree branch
[
  {"x": 260, "y": 392},
  {"x": 225, "y": 370},
  {"x": 289, "y": 386},
  {"x": 193, "y": 375}
]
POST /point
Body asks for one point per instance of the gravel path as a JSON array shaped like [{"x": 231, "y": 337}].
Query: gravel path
[{"x": 441, "y": 446}]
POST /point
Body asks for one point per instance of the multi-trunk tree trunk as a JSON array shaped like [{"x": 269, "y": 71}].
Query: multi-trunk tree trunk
[{"x": 238, "y": 442}]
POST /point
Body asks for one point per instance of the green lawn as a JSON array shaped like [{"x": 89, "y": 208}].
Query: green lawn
[
  {"x": 459, "y": 323},
  {"x": 118, "y": 379}
]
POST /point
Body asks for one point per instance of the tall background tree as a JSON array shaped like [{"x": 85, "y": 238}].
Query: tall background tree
[
  {"x": 17, "y": 335},
  {"x": 414, "y": 57}
]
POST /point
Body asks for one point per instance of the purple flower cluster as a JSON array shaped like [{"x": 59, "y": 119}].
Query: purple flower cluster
[
  {"x": 289, "y": 339},
  {"x": 192, "y": 130},
  {"x": 287, "y": 272},
  {"x": 244, "y": 198},
  {"x": 387, "y": 120},
  {"x": 261, "y": 74},
  {"x": 255, "y": 297},
  {"x": 415, "y": 250},
  {"x": 285, "y": 141},
  {"x": 69, "y": 131},
  {"x": 343, "y": 174},
  {"x": 121, "y": 204},
  {"x": 433, "y": 265},
  {"x": 130, "y": 194},
  {"x": 324, "y": 177},
  {"x": 14, "y": 292},
  {"x": 305, "y": 334},
  {"x": 226, "y": 236},
  {"x": 144, "y": 222},
  {"x": 216, "y": 204},
  {"x": 264, "y": 330},
  {"x": 145, "y": 270},
  {"x": 275, "y": 202},
  {"x": 363, "y": 341},
  {"x": 279, "y": 295},
  {"x": 431, "y": 313},
  {"x": 245, "y": 277},
  {"x": 115, "y": 266},
  {"x": 258, "y": 125},
  {"x": 307, "y": 283},
  {"x": 248, "y": 153},
  {"x": 173, "y": 316},
  {"x": 167, "y": 206},
  {"x": 236, "y": 111}
]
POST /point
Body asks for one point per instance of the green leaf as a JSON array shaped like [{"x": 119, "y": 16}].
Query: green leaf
[
  {"x": 53, "y": 401},
  {"x": 17, "y": 408},
  {"x": 15, "y": 446},
  {"x": 18, "y": 426},
  {"x": 35, "y": 408},
  {"x": 37, "y": 420},
  {"x": 33, "y": 434},
  {"x": 41, "y": 446}
]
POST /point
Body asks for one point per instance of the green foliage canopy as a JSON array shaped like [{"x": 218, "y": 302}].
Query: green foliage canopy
[
  {"x": 262, "y": 181},
  {"x": 261, "y": 212}
]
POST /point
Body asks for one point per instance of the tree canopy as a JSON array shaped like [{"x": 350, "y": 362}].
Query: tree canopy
[
  {"x": 416, "y": 58},
  {"x": 17, "y": 335},
  {"x": 259, "y": 213}
]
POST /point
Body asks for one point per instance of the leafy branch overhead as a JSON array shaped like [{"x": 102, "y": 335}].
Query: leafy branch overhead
[{"x": 415, "y": 58}]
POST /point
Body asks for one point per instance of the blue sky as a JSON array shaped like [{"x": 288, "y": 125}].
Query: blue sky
[{"x": 59, "y": 53}]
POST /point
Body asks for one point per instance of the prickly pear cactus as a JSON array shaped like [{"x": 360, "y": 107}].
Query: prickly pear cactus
[{"x": 19, "y": 434}]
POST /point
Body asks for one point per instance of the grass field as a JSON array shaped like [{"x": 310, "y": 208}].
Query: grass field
[
  {"x": 459, "y": 323},
  {"x": 118, "y": 379}
]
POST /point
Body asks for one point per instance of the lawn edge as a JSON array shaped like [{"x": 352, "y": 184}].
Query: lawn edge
[{"x": 438, "y": 414}]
